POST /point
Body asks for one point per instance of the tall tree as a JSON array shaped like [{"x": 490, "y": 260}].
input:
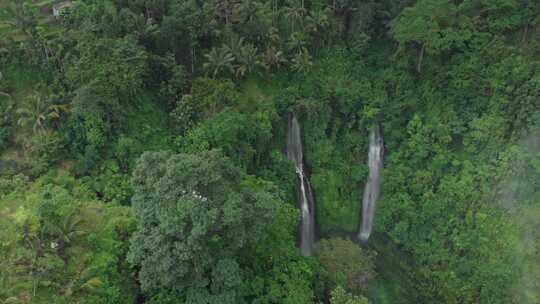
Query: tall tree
[
  {"x": 431, "y": 27},
  {"x": 219, "y": 60},
  {"x": 195, "y": 215}
]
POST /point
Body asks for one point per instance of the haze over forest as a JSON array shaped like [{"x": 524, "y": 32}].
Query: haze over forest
[{"x": 269, "y": 151}]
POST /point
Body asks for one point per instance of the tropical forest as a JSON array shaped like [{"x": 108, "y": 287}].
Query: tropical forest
[{"x": 269, "y": 151}]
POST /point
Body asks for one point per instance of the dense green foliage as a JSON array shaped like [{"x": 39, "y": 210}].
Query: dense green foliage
[
  {"x": 340, "y": 296},
  {"x": 195, "y": 215},
  {"x": 346, "y": 263},
  {"x": 60, "y": 244},
  {"x": 141, "y": 150}
]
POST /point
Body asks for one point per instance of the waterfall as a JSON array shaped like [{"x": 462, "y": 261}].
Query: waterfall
[
  {"x": 373, "y": 184},
  {"x": 295, "y": 154}
]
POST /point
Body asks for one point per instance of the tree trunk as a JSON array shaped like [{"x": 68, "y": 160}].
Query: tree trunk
[
  {"x": 525, "y": 34},
  {"x": 420, "y": 59},
  {"x": 273, "y": 12},
  {"x": 62, "y": 247},
  {"x": 192, "y": 60}
]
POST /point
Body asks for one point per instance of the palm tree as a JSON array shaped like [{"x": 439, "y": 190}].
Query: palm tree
[
  {"x": 318, "y": 20},
  {"x": 219, "y": 59},
  {"x": 273, "y": 35},
  {"x": 247, "y": 60},
  {"x": 145, "y": 28},
  {"x": 273, "y": 58},
  {"x": 235, "y": 45},
  {"x": 21, "y": 16},
  {"x": 38, "y": 112},
  {"x": 247, "y": 10},
  {"x": 318, "y": 23},
  {"x": 226, "y": 9},
  {"x": 65, "y": 232},
  {"x": 295, "y": 13},
  {"x": 302, "y": 62},
  {"x": 297, "y": 41},
  {"x": 35, "y": 113}
]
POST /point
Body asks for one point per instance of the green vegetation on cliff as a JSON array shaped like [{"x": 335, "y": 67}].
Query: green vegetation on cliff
[{"x": 142, "y": 150}]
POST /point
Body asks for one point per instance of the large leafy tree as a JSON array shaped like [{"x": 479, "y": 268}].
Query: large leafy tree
[
  {"x": 431, "y": 27},
  {"x": 196, "y": 213}
]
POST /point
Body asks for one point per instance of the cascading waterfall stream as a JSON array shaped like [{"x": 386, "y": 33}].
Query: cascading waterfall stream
[
  {"x": 372, "y": 189},
  {"x": 307, "y": 205}
]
